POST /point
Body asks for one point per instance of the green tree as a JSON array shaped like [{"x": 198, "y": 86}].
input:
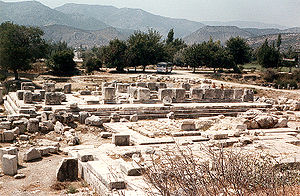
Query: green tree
[
  {"x": 145, "y": 48},
  {"x": 268, "y": 56},
  {"x": 239, "y": 49},
  {"x": 92, "y": 64},
  {"x": 20, "y": 46},
  {"x": 114, "y": 55},
  {"x": 61, "y": 63},
  {"x": 278, "y": 42},
  {"x": 195, "y": 56},
  {"x": 172, "y": 46}
]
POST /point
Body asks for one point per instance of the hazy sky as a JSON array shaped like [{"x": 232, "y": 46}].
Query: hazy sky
[{"x": 283, "y": 12}]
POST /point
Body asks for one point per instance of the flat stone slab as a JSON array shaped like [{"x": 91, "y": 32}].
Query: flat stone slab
[{"x": 108, "y": 176}]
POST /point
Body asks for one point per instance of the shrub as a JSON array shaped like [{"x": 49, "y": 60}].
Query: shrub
[{"x": 220, "y": 173}]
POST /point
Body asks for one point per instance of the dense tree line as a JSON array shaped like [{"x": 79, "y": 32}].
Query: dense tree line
[{"x": 20, "y": 46}]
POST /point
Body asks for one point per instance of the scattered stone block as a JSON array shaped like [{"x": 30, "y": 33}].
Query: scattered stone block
[
  {"x": 186, "y": 86},
  {"x": 171, "y": 115},
  {"x": 188, "y": 125},
  {"x": 94, "y": 121},
  {"x": 44, "y": 151},
  {"x": 162, "y": 93},
  {"x": 122, "y": 88},
  {"x": 19, "y": 176},
  {"x": 24, "y": 137},
  {"x": 167, "y": 101},
  {"x": 27, "y": 97},
  {"x": 109, "y": 95},
  {"x": 9, "y": 164},
  {"x": 131, "y": 168},
  {"x": 67, "y": 88},
  {"x": 52, "y": 98},
  {"x": 248, "y": 96},
  {"x": 143, "y": 94},
  {"x": 121, "y": 139},
  {"x": 67, "y": 170},
  {"x": 106, "y": 135},
  {"x": 9, "y": 150},
  {"x": 21, "y": 125},
  {"x": 179, "y": 95},
  {"x": 49, "y": 87},
  {"x": 33, "y": 125},
  {"x": 5, "y": 125},
  {"x": 32, "y": 154},
  {"x": 20, "y": 94},
  {"x": 197, "y": 94},
  {"x": 82, "y": 117},
  {"x": 134, "y": 118},
  {"x": 9, "y": 136},
  {"x": 209, "y": 94}
]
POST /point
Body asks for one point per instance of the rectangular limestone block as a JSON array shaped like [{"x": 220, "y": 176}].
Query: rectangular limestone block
[
  {"x": 121, "y": 139},
  {"x": 209, "y": 94},
  {"x": 122, "y": 88},
  {"x": 162, "y": 93},
  {"x": 219, "y": 93},
  {"x": 229, "y": 94},
  {"x": 109, "y": 93},
  {"x": 238, "y": 94},
  {"x": 106, "y": 174},
  {"x": 9, "y": 150},
  {"x": 9, "y": 164},
  {"x": 197, "y": 93},
  {"x": 179, "y": 95},
  {"x": 130, "y": 168},
  {"x": 143, "y": 94}
]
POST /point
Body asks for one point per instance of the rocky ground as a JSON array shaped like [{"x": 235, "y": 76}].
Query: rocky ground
[{"x": 40, "y": 175}]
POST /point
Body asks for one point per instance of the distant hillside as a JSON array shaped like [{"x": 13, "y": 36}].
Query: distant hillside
[
  {"x": 222, "y": 33},
  {"x": 77, "y": 37},
  {"x": 288, "y": 39},
  {"x": 245, "y": 24},
  {"x": 135, "y": 19},
  {"x": 36, "y": 14}
]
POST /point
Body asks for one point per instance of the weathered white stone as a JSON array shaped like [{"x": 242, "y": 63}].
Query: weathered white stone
[
  {"x": 33, "y": 125},
  {"x": 24, "y": 137},
  {"x": 9, "y": 136},
  {"x": 106, "y": 135},
  {"x": 49, "y": 87},
  {"x": 83, "y": 116},
  {"x": 197, "y": 93},
  {"x": 21, "y": 125},
  {"x": 167, "y": 101},
  {"x": 20, "y": 94},
  {"x": 67, "y": 88},
  {"x": 143, "y": 94},
  {"x": 134, "y": 118},
  {"x": 162, "y": 93},
  {"x": 121, "y": 139},
  {"x": 179, "y": 95},
  {"x": 31, "y": 154},
  {"x": 93, "y": 121},
  {"x": 9, "y": 164},
  {"x": 27, "y": 97},
  {"x": 67, "y": 170},
  {"x": 131, "y": 168},
  {"x": 52, "y": 98},
  {"x": 5, "y": 125},
  {"x": 188, "y": 125},
  {"x": 9, "y": 150}
]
